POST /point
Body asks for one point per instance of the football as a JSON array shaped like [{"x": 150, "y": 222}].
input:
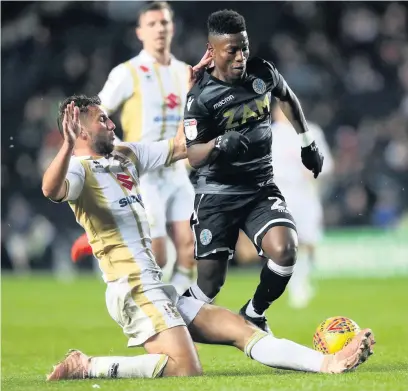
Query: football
[{"x": 334, "y": 333}]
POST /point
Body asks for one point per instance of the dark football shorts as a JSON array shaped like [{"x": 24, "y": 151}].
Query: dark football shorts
[{"x": 217, "y": 219}]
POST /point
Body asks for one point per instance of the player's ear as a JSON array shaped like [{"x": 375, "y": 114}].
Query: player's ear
[
  {"x": 138, "y": 32},
  {"x": 210, "y": 48},
  {"x": 83, "y": 134}
]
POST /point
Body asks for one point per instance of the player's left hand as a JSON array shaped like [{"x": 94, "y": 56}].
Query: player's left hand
[
  {"x": 197, "y": 70},
  {"x": 312, "y": 159}
]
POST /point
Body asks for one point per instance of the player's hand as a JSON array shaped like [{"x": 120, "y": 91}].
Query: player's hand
[
  {"x": 197, "y": 71},
  {"x": 233, "y": 144},
  {"x": 312, "y": 159},
  {"x": 71, "y": 125}
]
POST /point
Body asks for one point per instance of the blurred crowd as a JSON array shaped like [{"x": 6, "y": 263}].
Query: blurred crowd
[{"x": 348, "y": 63}]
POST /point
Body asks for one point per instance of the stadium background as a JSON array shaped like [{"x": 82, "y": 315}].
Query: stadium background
[{"x": 347, "y": 61}]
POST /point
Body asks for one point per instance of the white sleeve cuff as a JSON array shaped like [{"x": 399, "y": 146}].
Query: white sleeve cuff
[{"x": 306, "y": 138}]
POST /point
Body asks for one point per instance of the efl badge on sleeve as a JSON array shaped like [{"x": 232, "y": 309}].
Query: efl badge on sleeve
[
  {"x": 190, "y": 128},
  {"x": 259, "y": 86}
]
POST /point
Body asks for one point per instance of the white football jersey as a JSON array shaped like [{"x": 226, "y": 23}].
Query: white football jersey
[
  {"x": 289, "y": 172},
  {"x": 104, "y": 195},
  {"x": 151, "y": 98}
]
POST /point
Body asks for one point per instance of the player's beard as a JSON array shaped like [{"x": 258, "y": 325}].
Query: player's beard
[{"x": 103, "y": 145}]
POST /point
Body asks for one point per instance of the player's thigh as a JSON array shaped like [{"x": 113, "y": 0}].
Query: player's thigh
[
  {"x": 155, "y": 206},
  {"x": 215, "y": 224},
  {"x": 269, "y": 210},
  {"x": 142, "y": 306},
  {"x": 217, "y": 325},
  {"x": 180, "y": 205}
]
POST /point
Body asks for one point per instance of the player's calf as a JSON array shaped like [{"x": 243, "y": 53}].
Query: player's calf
[
  {"x": 211, "y": 274},
  {"x": 172, "y": 353},
  {"x": 177, "y": 345},
  {"x": 279, "y": 245}
]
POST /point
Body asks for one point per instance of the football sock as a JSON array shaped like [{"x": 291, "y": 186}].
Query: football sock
[
  {"x": 198, "y": 294},
  {"x": 274, "y": 279},
  {"x": 145, "y": 365},
  {"x": 282, "y": 353}
]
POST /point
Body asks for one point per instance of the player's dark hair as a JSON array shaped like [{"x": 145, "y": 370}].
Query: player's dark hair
[
  {"x": 225, "y": 22},
  {"x": 154, "y": 6},
  {"x": 81, "y": 101}
]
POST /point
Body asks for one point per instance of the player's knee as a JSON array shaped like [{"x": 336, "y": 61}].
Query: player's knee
[
  {"x": 183, "y": 366},
  {"x": 284, "y": 253}
]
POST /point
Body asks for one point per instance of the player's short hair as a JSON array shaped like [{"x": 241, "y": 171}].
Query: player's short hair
[
  {"x": 225, "y": 22},
  {"x": 81, "y": 101},
  {"x": 154, "y": 6}
]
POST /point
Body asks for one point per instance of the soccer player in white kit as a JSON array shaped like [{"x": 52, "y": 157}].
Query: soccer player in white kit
[
  {"x": 150, "y": 91},
  {"x": 302, "y": 196},
  {"x": 100, "y": 181}
]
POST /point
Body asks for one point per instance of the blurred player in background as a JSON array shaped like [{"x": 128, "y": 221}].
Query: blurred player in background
[
  {"x": 150, "y": 91},
  {"x": 100, "y": 181},
  {"x": 302, "y": 197}
]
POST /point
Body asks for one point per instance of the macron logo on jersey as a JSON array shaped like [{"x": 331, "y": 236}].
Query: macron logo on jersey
[{"x": 224, "y": 101}]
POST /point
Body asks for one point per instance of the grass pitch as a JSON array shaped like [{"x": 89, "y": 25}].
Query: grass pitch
[{"x": 42, "y": 318}]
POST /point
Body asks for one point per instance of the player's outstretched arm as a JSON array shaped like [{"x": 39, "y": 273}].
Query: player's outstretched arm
[
  {"x": 54, "y": 185},
  {"x": 231, "y": 144}
]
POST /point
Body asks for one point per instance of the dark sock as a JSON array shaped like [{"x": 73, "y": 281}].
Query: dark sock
[{"x": 274, "y": 279}]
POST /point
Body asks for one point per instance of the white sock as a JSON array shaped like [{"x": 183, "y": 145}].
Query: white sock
[
  {"x": 198, "y": 294},
  {"x": 282, "y": 353},
  {"x": 182, "y": 279},
  {"x": 250, "y": 311},
  {"x": 145, "y": 365}
]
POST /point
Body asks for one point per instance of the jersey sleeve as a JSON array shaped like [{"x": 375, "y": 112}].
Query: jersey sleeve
[
  {"x": 75, "y": 180},
  {"x": 151, "y": 155},
  {"x": 118, "y": 88},
  {"x": 197, "y": 121},
  {"x": 268, "y": 72}
]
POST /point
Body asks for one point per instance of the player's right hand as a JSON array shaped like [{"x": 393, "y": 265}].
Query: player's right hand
[
  {"x": 197, "y": 71},
  {"x": 233, "y": 144},
  {"x": 71, "y": 125}
]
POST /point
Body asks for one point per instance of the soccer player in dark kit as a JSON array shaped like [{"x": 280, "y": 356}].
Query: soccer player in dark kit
[{"x": 227, "y": 127}]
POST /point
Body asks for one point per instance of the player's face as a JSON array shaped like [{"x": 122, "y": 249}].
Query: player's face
[
  {"x": 156, "y": 30},
  {"x": 230, "y": 54},
  {"x": 100, "y": 130}
]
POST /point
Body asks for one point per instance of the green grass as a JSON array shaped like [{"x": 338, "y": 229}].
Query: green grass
[{"x": 42, "y": 318}]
